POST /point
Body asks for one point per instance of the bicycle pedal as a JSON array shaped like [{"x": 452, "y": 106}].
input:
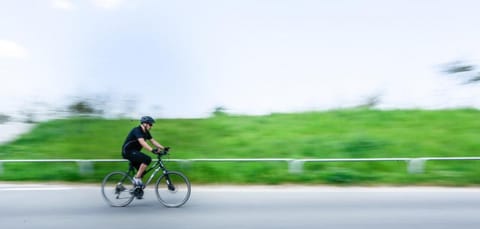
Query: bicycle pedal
[{"x": 137, "y": 192}]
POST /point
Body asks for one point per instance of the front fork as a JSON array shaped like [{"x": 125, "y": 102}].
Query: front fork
[{"x": 170, "y": 185}]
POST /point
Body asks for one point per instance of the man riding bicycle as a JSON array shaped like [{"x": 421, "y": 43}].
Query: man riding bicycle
[{"x": 135, "y": 141}]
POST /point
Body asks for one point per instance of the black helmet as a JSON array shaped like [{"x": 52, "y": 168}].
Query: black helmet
[{"x": 147, "y": 119}]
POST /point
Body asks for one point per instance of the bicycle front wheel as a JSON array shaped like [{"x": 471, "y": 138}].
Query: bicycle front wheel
[
  {"x": 116, "y": 188},
  {"x": 173, "y": 189}
]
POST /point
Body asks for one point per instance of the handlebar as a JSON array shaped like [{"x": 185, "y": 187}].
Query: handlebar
[{"x": 163, "y": 152}]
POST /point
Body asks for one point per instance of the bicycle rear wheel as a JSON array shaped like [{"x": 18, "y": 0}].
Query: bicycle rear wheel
[
  {"x": 173, "y": 189},
  {"x": 116, "y": 188}
]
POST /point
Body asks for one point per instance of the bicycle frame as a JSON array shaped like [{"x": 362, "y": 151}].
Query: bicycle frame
[{"x": 156, "y": 167}]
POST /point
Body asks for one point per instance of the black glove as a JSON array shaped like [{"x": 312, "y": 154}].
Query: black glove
[
  {"x": 166, "y": 149},
  {"x": 155, "y": 151}
]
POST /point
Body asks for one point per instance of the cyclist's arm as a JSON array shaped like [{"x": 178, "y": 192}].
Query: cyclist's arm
[
  {"x": 155, "y": 143},
  {"x": 145, "y": 144}
]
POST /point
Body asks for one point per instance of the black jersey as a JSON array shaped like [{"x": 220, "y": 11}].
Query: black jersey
[{"x": 131, "y": 143}]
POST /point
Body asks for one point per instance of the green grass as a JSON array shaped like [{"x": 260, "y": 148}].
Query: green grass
[{"x": 349, "y": 133}]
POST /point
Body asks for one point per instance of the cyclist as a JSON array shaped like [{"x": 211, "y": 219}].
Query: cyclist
[{"x": 135, "y": 141}]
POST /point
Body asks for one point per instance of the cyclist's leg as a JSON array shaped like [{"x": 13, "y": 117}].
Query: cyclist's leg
[
  {"x": 140, "y": 161},
  {"x": 133, "y": 158},
  {"x": 141, "y": 170},
  {"x": 144, "y": 160}
]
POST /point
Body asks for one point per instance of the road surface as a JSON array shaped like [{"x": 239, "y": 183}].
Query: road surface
[{"x": 82, "y": 206}]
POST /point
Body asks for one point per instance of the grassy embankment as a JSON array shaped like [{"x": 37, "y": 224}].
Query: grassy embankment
[{"x": 351, "y": 133}]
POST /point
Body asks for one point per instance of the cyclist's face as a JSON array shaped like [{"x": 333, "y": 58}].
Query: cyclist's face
[{"x": 149, "y": 126}]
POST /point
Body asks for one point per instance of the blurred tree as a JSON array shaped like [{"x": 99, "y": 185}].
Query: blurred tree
[
  {"x": 463, "y": 70},
  {"x": 90, "y": 105},
  {"x": 220, "y": 111},
  {"x": 84, "y": 107},
  {"x": 81, "y": 107},
  {"x": 371, "y": 102},
  {"x": 4, "y": 118}
]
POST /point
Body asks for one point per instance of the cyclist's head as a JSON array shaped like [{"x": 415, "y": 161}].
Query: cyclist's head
[{"x": 147, "y": 119}]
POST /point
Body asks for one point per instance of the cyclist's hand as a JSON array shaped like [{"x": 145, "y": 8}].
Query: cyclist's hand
[
  {"x": 155, "y": 151},
  {"x": 165, "y": 150}
]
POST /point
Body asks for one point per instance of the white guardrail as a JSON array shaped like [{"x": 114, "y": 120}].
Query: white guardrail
[{"x": 414, "y": 165}]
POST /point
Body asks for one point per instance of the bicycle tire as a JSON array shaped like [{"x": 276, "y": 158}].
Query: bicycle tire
[
  {"x": 175, "y": 194},
  {"x": 116, "y": 187}
]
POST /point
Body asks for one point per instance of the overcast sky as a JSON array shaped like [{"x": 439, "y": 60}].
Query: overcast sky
[{"x": 182, "y": 58}]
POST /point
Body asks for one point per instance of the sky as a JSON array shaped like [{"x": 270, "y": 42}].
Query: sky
[{"x": 183, "y": 58}]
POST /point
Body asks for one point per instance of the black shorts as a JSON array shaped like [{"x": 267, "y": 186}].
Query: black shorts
[{"x": 137, "y": 158}]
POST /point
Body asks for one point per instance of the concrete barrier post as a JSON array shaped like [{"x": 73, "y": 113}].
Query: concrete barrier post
[
  {"x": 416, "y": 166},
  {"x": 295, "y": 166},
  {"x": 86, "y": 167}
]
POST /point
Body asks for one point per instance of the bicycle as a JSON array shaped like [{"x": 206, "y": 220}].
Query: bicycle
[{"x": 172, "y": 188}]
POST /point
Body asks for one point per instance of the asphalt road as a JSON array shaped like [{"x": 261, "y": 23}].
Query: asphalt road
[{"x": 74, "y": 206}]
